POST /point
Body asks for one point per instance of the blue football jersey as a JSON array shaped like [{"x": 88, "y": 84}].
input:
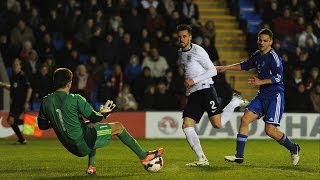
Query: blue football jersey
[{"x": 269, "y": 66}]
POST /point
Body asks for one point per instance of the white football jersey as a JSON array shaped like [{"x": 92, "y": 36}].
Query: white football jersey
[{"x": 198, "y": 67}]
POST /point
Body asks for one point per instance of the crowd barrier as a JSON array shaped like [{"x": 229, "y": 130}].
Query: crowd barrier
[{"x": 152, "y": 125}]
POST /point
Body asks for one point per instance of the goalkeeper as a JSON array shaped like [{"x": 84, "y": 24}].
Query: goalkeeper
[{"x": 63, "y": 112}]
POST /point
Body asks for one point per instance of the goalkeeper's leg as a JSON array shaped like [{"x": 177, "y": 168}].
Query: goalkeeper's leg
[
  {"x": 127, "y": 139},
  {"x": 92, "y": 162}
]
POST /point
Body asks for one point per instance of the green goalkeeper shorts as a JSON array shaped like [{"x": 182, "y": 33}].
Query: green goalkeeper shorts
[{"x": 103, "y": 135}]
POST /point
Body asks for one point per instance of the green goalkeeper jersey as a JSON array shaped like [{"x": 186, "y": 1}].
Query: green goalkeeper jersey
[{"x": 63, "y": 112}]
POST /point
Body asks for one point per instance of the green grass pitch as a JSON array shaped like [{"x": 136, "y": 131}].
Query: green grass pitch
[{"x": 264, "y": 159}]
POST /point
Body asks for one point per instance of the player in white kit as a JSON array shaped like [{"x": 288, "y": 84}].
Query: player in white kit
[{"x": 202, "y": 96}]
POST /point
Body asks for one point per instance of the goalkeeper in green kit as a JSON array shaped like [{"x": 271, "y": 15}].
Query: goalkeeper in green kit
[{"x": 63, "y": 112}]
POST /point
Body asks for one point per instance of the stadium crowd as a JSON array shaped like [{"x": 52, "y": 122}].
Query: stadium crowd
[{"x": 126, "y": 50}]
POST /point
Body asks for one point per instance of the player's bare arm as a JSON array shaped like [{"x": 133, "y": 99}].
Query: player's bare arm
[
  {"x": 26, "y": 104},
  {"x": 4, "y": 85},
  {"x": 234, "y": 67},
  {"x": 188, "y": 83}
]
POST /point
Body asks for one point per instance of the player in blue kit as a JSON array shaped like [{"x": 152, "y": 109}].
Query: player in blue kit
[{"x": 269, "y": 102}]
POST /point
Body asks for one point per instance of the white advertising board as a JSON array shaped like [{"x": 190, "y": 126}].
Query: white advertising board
[{"x": 168, "y": 125}]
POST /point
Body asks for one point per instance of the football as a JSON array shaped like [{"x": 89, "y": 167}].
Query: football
[{"x": 154, "y": 165}]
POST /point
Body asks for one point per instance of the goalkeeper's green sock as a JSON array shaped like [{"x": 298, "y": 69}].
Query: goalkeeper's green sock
[
  {"x": 92, "y": 158},
  {"x": 128, "y": 140}
]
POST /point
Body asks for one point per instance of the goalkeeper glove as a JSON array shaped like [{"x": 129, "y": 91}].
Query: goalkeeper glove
[{"x": 106, "y": 109}]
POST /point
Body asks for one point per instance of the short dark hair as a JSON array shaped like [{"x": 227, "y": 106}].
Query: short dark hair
[
  {"x": 183, "y": 27},
  {"x": 61, "y": 77},
  {"x": 267, "y": 32}
]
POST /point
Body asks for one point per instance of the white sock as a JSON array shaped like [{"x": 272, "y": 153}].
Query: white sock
[
  {"x": 194, "y": 142},
  {"x": 228, "y": 110}
]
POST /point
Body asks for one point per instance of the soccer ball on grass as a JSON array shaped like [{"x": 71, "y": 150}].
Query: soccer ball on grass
[{"x": 154, "y": 165}]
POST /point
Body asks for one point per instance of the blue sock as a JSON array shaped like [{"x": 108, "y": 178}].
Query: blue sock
[
  {"x": 241, "y": 142},
  {"x": 285, "y": 141}
]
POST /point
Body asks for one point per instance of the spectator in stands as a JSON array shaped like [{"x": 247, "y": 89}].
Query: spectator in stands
[
  {"x": 211, "y": 50},
  {"x": 124, "y": 8},
  {"x": 304, "y": 61},
  {"x": 164, "y": 100},
  {"x": 296, "y": 6},
  {"x": 94, "y": 68},
  {"x": 133, "y": 24},
  {"x": 312, "y": 49},
  {"x": 209, "y": 30},
  {"x": 174, "y": 20},
  {"x": 64, "y": 54},
  {"x": 284, "y": 24},
  {"x": 154, "y": 21},
  {"x": 100, "y": 20},
  {"x": 20, "y": 34},
  {"x": 300, "y": 25},
  {"x": 316, "y": 25},
  {"x": 196, "y": 30},
  {"x": 125, "y": 100},
  {"x": 156, "y": 40},
  {"x": 45, "y": 46},
  {"x": 141, "y": 83},
  {"x": 108, "y": 50},
  {"x": 168, "y": 51},
  {"x": 290, "y": 85},
  {"x": 307, "y": 33},
  {"x": 90, "y": 7},
  {"x": 84, "y": 35},
  {"x": 288, "y": 66},
  {"x": 51, "y": 63},
  {"x": 133, "y": 69},
  {"x": 178, "y": 79},
  {"x": 300, "y": 101},
  {"x": 310, "y": 10},
  {"x": 148, "y": 100},
  {"x": 31, "y": 65},
  {"x": 296, "y": 78},
  {"x": 117, "y": 79},
  {"x": 126, "y": 49},
  {"x": 34, "y": 21},
  {"x": 145, "y": 5},
  {"x": 74, "y": 19},
  {"x": 54, "y": 22},
  {"x": 168, "y": 80},
  {"x": 145, "y": 36},
  {"x": 83, "y": 83},
  {"x": 115, "y": 22},
  {"x": 5, "y": 50},
  {"x": 190, "y": 10},
  {"x": 145, "y": 50},
  {"x": 312, "y": 78},
  {"x": 315, "y": 97},
  {"x": 157, "y": 64},
  {"x": 105, "y": 90},
  {"x": 271, "y": 11},
  {"x": 169, "y": 8},
  {"x": 96, "y": 40},
  {"x": 74, "y": 60},
  {"x": 42, "y": 83},
  {"x": 25, "y": 51}
]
